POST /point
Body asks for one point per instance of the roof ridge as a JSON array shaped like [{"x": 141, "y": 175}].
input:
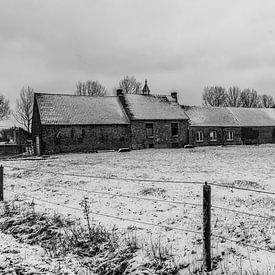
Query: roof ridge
[{"x": 73, "y": 95}]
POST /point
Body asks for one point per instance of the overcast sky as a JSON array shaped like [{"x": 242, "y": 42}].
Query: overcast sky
[{"x": 179, "y": 45}]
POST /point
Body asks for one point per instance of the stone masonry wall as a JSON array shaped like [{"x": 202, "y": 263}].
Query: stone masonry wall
[
  {"x": 85, "y": 138},
  {"x": 221, "y": 135},
  {"x": 162, "y": 137},
  {"x": 265, "y": 135}
]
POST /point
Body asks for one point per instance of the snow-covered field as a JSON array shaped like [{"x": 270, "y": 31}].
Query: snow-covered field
[{"x": 243, "y": 166}]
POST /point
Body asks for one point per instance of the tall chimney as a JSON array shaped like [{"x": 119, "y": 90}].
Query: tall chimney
[
  {"x": 119, "y": 92},
  {"x": 175, "y": 96}
]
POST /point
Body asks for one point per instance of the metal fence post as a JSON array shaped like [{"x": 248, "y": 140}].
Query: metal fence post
[
  {"x": 1, "y": 183},
  {"x": 207, "y": 227}
]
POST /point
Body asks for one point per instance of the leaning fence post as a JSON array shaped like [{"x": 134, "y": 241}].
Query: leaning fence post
[
  {"x": 1, "y": 183},
  {"x": 207, "y": 227}
]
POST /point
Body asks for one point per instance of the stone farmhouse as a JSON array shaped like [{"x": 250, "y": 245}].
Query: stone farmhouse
[{"x": 71, "y": 123}]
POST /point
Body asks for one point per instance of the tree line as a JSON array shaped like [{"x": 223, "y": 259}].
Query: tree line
[
  {"x": 128, "y": 84},
  {"x": 236, "y": 97}
]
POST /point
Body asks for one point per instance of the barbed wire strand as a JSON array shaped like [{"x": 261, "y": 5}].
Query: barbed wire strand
[
  {"x": 272, "y": 218},
  {"x": 147, "y": 180},
  {"x": 165, "y": 201},
  {"x": 110, "y": 177},
  {"x": 111, "y": 216},
  {"x": 147, "y": 223},
  {"x": 128, "y": 196},
  {"x": 242, "y": 188},
  {"x": 243, "y": 243}
]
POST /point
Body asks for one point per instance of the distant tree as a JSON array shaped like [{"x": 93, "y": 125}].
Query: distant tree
[
  {"x": 249, "y": 98},
  {"x": 233, "y": 97},
  {"x": 24, "y": 108},
  {"x": 90, "y": 88},
  {"x": 214, "y": 96},
  {"x": 267, "y": 101},
  {"x": 4, "y": 108},
  {"x": 130, "y": 85}
]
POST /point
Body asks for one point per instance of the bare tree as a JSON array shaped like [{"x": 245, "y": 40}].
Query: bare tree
[
  {"x": 4, "y": 108},
  {"x": 90, "y": 88},
  {"x": 130, "y": 85},
  {"x": 267, "y": 101},
  {"x": 233, "y": 97},
  {"x": 249, "y": 98},
  {"x": 214, "y": 96},
  {"x": 24, "y": 107}
]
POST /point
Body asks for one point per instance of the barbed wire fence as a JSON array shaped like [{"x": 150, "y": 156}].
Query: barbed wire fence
[{"x": 206, "y": 206}]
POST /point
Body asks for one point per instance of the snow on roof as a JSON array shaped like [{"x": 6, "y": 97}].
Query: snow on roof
[
  {"x": 254, "y": 116},
  {"x": 229, "y": 116},
  {"x": 210, "y": 116},
  {"x": 60, "y": 109},
  {"x": 153, "y": 107}
]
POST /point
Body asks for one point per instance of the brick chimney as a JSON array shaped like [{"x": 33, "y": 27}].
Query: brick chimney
[
  {"x": 174, "y": 95},
  {"x": 119, "y": 92}
]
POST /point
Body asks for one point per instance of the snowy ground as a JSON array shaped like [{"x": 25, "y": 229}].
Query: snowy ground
[{"x": 244, "y": 166}]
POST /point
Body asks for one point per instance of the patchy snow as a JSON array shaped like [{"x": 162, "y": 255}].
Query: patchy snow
[
  {"x": 20, "y": 258},
  {"x": 244, "y": 166}
]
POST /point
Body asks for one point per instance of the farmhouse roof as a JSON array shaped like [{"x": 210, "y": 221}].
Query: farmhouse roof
[
  {"x": 230, "y": 116},
  {"x": 254, "y": 116},
  {"x": 210, "y": 116},
  {"x": 153, "y": 107},
  {"x": 60, "y": 109}
]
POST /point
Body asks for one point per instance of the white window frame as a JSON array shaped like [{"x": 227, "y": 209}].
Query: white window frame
[
  {"x": 200, "y": 135},
  {"x": 213, "y": 136},
  {"x": 230, "y": 136}
]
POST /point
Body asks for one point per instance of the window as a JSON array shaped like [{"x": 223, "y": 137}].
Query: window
[
  {"x": 175, "y": 129},
  {"x": 230, "y": 135},
  {"x": 213, "y": 135},
  {"x": 199, "y": 136},
  {"x": 149, "y": 130}
]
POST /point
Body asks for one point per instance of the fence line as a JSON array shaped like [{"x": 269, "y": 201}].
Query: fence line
[
  {"x": 143, "y": 222},
  {"x": 110, "y": 216},
  {"x": 206, "y": 231},
  {"x": 166, "y": 201}
]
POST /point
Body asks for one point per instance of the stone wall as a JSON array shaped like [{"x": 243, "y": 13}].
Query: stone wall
[
  {"x": 162, "y": 137},
  {"x": 258, "y": 135},
  {"x": 85, "y": 138},
  {"x": 221, "y": 135}
]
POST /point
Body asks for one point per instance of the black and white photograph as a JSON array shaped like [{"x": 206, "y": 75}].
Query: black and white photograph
[{"x": 137, "y": 137}]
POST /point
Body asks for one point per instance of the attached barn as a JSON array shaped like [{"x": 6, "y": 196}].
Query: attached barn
[
  {"x": 227, "y": 125},
  {"x": 71, "y": 123}
]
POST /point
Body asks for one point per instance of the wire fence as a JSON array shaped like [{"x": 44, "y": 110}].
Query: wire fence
[{"x": 269, "y": 218}]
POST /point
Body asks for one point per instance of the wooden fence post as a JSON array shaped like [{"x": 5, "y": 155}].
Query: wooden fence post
[
  {"x": 1, "y": 183},
  {"x": 207, "y": 227}
]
